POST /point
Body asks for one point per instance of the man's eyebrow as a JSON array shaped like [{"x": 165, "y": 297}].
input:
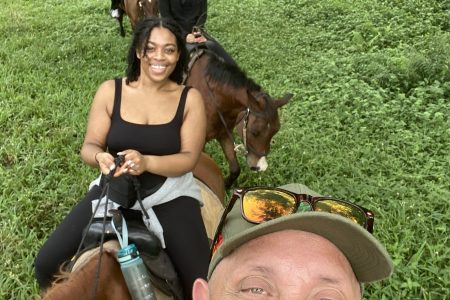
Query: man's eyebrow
[
  {"x": 327, "y": 279},
  {"x": 261, "y": 269}
]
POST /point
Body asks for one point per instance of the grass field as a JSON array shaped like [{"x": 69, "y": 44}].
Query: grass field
[{"x": 369, "y": 120}]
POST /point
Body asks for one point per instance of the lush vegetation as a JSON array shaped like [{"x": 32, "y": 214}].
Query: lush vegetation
[{"x": 369, "y": 120}]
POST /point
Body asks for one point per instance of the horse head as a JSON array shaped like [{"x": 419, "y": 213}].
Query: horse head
[
  {"x": 138, "y": 9},
  {"x": 234, "y": 101},
  {"x": 257, "y": 125}
]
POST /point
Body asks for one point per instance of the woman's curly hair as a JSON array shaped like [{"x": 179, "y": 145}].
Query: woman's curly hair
[{"x": 141, "y": 36}]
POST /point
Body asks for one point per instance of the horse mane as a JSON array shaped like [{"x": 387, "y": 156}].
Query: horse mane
[
  {"x": 228, "y": 74},
  {"x": 79, "y": 285}
]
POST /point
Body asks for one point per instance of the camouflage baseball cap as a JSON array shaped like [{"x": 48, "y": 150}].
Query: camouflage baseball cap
[{"x": 368, "y": 258}]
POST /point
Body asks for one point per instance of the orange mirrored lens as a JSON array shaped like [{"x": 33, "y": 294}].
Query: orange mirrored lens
[
  {"x": 264, "y": 205},
  {"x": 344, "y": 209}
]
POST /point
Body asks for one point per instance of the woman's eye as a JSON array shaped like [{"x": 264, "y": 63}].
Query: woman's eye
[{"x": 170, "y": 50}]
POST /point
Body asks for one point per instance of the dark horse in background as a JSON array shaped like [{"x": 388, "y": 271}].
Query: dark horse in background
[
  {"x": 234, "y": 100},
  {"x": 134, "y": 9}
]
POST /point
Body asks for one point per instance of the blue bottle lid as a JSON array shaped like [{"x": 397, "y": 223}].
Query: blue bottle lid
[{"x": 127, "y": 253}]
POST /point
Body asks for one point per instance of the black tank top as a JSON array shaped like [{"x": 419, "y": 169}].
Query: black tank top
[{"x": 159, "y": 139}]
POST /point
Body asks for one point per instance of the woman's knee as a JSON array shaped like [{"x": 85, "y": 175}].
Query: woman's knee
[{"x": 42, "y": 268}]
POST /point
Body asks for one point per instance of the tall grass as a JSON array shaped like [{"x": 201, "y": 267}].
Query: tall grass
[{"x": 369, "y": 121}]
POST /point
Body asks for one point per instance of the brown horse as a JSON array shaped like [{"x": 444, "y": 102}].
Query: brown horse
[
  {"x": 111, "y": 285},
  {"x": 232, "y": 99},
  {"x": 134, "y": 9},
  {"x": 80, "y": 284}
]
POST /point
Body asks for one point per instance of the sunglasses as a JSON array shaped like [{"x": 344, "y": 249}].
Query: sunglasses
[{"x": 262, "y": 204}]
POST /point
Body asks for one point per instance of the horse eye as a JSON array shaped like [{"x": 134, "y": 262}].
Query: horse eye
[{"x": 254, "y": 132}]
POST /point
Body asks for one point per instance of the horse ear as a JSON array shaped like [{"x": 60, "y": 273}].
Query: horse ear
[
  {"x": 253, "y": 103},
  {"x": 282, "y": 101}
]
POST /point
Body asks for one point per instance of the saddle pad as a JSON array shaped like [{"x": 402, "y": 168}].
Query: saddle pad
[
  {"x": 211, "y": 210},
  {"x": 111, "y": 245}
]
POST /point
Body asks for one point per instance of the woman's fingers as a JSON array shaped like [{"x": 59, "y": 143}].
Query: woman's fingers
[{"x": 132, "y": 163}]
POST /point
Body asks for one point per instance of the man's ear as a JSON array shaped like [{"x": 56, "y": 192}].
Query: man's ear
[{"x": 200, "y": 290}]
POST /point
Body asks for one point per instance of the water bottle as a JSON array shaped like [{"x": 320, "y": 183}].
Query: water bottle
[{"x": 135, "y": 273}]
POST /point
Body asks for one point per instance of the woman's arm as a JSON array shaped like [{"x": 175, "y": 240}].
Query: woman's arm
[
  {"x": 94, "y": 145},
  {"x": 193, "y": 132}
]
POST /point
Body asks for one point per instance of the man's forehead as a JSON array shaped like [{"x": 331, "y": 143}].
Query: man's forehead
[
  {"x": 301, "y": 254},
  {"x": 289, "y": 235},
  {"x": 302, "y": 241}
]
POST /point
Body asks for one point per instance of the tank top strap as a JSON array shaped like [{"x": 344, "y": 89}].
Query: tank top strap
[
  {"x": 117, "y": 99},
  {"x": 180, "y": 110}
]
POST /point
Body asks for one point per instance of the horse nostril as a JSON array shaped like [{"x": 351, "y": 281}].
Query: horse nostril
[{"x": 254, "y": 168}]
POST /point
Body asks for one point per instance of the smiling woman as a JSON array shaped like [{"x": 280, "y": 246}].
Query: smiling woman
[
  {"x": 158, "y": 127},
  {"x": 370, "y": 119}
]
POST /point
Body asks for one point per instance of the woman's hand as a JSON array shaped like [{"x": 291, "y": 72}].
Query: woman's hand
[
  {"x": 105, "y": 161},
  {"x": 191, "y": 38},
  {"x": 134, "y": 163}
]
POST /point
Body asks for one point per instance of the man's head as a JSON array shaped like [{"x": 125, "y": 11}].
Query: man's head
[{"x": 313, "y": 255}]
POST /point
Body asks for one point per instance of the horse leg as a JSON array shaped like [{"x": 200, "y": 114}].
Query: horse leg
[
  {"x": 230, "y": 154},
  {"x": 120, "y": 19}
]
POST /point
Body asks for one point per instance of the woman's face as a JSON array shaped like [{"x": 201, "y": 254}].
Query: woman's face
[{"x": 161, "y": 55}]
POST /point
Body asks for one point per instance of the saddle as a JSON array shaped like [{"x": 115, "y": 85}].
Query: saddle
[{"x": 161, "y": 270}]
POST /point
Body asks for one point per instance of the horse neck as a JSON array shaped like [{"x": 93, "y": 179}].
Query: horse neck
[
  {"x": 80, "y": 284},
  {"x": 148, "y": 8}
]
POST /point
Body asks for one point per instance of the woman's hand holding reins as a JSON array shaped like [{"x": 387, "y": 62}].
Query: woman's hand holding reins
[
  {"x": 134, "y": 163},
  {"x": 191, "y": 38},
  {"x": 105, "y": 161}
]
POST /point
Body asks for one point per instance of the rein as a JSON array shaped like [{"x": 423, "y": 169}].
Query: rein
[
  {"x": 104, "y": 192},
  {"x": 123, "y": 240}
]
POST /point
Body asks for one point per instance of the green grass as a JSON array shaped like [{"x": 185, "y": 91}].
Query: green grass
[{"x": 368, "y": 122}]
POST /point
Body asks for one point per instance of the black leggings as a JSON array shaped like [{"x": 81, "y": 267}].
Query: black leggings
[{"x": 184, "y": 235}]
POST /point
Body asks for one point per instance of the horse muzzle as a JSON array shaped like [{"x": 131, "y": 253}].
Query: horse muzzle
[{"x": 261, "y": 164}]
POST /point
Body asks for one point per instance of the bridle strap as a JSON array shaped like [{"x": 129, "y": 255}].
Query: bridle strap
[
  {"x": 222, "y": 119},
  {"x": 194, "y": 56},
  {"x": 243, "y": 146}
]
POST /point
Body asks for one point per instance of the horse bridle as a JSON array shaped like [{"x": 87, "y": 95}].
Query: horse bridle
[{"x": 243, "y": 148}]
